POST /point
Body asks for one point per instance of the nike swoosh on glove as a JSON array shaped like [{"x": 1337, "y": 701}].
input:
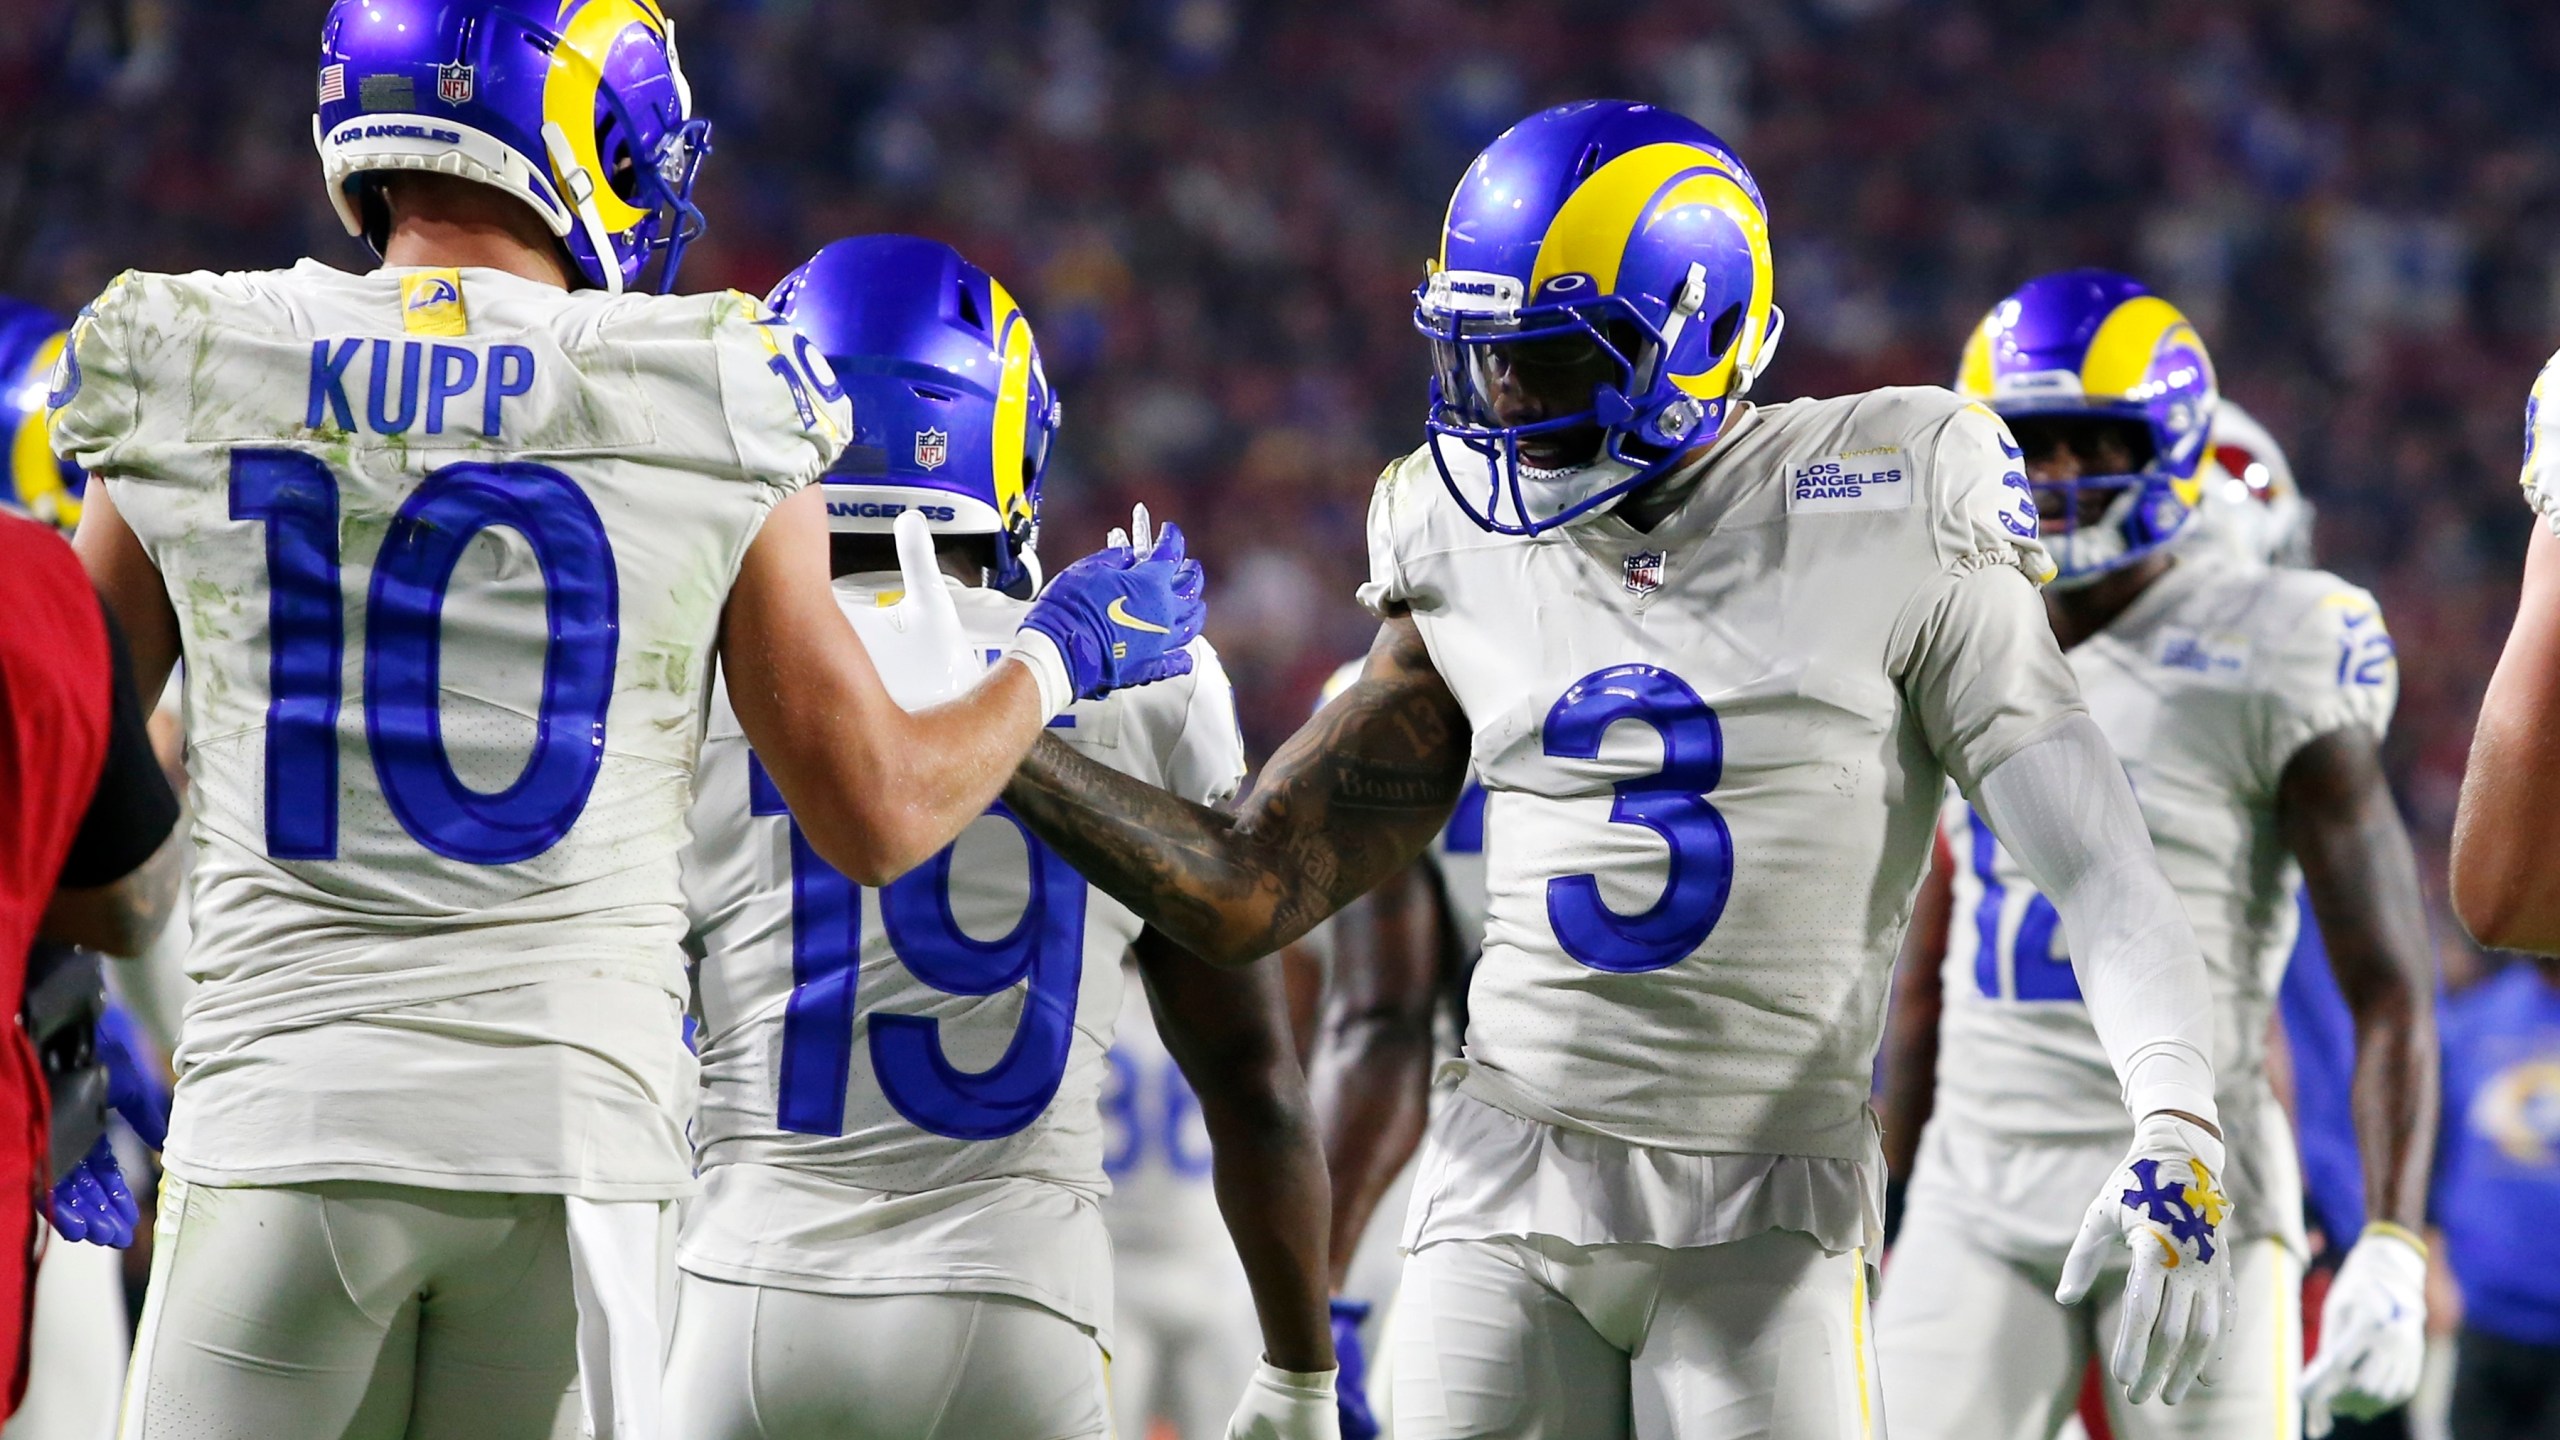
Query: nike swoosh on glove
[
  {"x": 2373, "y": 1331},
  {"x": 1286, "y": 1405},
  {"x": 1120, "y": 619},
  {"x": 1351, "y": 1381},
  {"x": 137, "y": 1086},
  {"x": 2179, "y": 1304},
  {"x": 93, "y": 1203},
  {"x": 917, "y": 645}
]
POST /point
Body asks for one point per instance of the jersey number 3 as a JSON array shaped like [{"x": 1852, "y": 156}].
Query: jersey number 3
[
  {"x": 296, "y": 496},
  {"x": 1671, "y": 802}
]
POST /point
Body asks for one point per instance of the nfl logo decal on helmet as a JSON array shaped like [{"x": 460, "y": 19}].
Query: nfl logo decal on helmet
[
  {"x": 2096, "y": 346},
  {"x": 579, "y": 109},
  {"x": 1600, "y": 224},
  {"x": 952, "y": 414}
]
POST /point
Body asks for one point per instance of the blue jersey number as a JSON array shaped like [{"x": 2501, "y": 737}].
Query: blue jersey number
[
  {"x": 2036, "y": 972},
  {"x": 296, "y": 497},
  {"x": 1045, "y": 948},
  {"x": 1671, "y": 802}
]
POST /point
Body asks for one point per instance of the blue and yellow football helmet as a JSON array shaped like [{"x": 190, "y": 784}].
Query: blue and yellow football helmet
[
  {"x": 578, "y": 108},
  {"x": 2096, "y": 345},
  {"x": 952, "y": 414},
  {"x": 31, "y": 340},
  {"x": 1602, "y": 223}
]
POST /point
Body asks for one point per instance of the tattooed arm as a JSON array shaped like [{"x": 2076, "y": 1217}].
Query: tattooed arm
[{"x": 1355, "y": 795}]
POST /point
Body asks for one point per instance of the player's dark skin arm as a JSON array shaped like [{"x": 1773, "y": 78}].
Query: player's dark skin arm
[
  {"x": 1354, "y": 796},
  {"x": 121, "y": 918},
  {"x": 1370, "y": 1075},
  {"x": 1229, "y": 1031},
  {"x": 2335, "y": 811},
  {"x": 1911, "y": 1024}
]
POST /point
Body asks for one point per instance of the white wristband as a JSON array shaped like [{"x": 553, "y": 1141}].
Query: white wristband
[
  {"x": 1300, "y": 1384},
  {"x": 1040, "y": 655}
]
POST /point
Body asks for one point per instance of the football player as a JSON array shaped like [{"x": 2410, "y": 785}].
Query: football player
[
  {"x": 899, "y": 1232},
  {"x": 450, "y": 548},
  {"x": 2248, "y": 705},
  {"x": 2251, "y": 506},
  {"x": 1183, "y": 1332},
  {"x": 2508, "y": 820},
  {"x": 77, "y": 1334},
  {"x": 1396, "y": 963},
  {"x": 1712, "y": 663}
]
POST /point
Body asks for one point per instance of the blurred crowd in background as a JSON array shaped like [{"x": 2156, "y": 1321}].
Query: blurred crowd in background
[{"x": 1215, "y": 211}]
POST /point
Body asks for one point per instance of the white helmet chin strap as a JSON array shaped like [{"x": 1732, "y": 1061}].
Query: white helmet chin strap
[{"x": 580, "y": 187}]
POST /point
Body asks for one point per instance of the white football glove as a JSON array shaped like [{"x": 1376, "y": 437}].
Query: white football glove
[
  {"x": 2178, "y": 1298},
  {"x": 2373, "y": 1331},
  {"x": 1287, "y": 1405},
  {"x": 916, "y": 644}
]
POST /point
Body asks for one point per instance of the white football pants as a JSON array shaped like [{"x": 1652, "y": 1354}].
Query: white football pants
[
  {"x": 757, "y": 1362},
  {"x": 1975, "y": 1348},
  {"x": 76, "y": 1358},
  {"x": 1536, "y": 1339},
  {"x": 1184, "y": 1342},
  {"x": 353, "y": 1311}
]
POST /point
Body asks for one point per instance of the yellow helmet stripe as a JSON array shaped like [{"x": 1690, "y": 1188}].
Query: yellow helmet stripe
[
  {"x": 2119, "y": 355},
  {"x": 1621, "y": 199},
  {"x": 1973, "y": 372},
  {"x": 588, "y": 30},
  {"x": 1590, "y": 232},
  {"x": 35, "y": 477},
  {"x": 1013, "y": 400}
]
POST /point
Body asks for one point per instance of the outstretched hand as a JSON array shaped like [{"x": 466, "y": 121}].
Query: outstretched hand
[{"x": 1122, "y": 615}]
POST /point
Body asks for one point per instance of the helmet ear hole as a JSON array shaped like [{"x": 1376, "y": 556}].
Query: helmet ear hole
[{"x": 1720, "y": 334}]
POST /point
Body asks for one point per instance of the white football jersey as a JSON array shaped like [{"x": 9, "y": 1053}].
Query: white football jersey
[
  {"x": 2206, "y": 686},
  {"x": 448, "y": 551},
  {"x": 1712, "y": 752},
  {"x": 902, "y": 1087}
]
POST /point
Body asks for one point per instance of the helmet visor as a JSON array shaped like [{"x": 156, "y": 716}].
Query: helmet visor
[{"x": 1546, "y": 377}]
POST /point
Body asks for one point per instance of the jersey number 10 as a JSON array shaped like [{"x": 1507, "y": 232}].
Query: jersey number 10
[{"x": 296, "y": 496}]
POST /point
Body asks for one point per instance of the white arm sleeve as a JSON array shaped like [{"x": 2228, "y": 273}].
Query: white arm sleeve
[{"x": 2062, "y": 806}]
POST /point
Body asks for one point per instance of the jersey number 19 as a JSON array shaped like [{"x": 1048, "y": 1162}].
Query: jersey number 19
[{"x": 1045, "y": 947}]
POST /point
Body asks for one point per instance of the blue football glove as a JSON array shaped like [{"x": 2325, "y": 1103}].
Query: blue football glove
[
  {"x": 136, "y": 1085},
  {"x": 1119, "y": 620},
  {"x": 1351, "y": 1386},
  {"x": 93, "y": 1204}
]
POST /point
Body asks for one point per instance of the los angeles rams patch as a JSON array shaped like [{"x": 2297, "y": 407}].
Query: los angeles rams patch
[
  {"x": 1877, "y": 479},
  {"x": 431, "y": 303}
]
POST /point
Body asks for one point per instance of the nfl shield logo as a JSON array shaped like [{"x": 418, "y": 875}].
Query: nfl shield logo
[
  {"x": 453, "y": 84},
  {"x": 932, "y": 448},
  {"x": 1644, "y": 572}
]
